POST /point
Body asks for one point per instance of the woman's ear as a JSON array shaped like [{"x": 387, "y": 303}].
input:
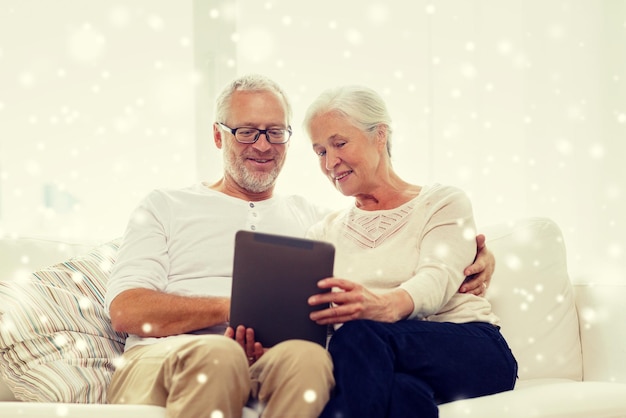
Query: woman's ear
[
  {"x": 382, "y": 136},
  {"x": 217, "y": 136}
]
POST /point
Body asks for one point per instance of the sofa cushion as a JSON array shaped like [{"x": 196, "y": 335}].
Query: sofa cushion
[
  {"x": 546, "y": 399},
  {"x": 56, "y": 341},
  {"x": 531, "y": 293}
]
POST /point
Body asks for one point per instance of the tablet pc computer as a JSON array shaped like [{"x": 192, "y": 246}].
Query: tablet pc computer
[{"x": 273, "y": 276}]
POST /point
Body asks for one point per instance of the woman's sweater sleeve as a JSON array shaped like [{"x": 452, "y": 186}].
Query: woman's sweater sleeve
[{"x": 447, "y": 245}]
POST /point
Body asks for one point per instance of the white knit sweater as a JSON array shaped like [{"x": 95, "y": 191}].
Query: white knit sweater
[{"x": 422, "y": 247}]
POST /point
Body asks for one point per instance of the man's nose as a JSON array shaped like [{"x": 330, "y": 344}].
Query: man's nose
[{"x": 263, "y": 142}]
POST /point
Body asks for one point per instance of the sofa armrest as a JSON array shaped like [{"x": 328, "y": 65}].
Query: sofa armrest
[{"x": 602, "y": 315}]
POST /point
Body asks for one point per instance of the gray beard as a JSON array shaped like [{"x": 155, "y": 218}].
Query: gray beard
[{"x": 252, "y": 182}]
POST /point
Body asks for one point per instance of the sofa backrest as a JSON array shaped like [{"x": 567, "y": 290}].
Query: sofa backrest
[
  {"x": 19, "y": 257},
  {"x": 532, "y": 294},
  {"x": 530, "y": 291}
]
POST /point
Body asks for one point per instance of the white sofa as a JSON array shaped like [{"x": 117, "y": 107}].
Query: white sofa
[{"x": 570, "y": 341}]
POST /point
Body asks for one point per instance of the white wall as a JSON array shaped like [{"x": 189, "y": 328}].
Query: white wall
[
  {"x": 96, "y": 109},
  {"x": 520, "y": 102}
]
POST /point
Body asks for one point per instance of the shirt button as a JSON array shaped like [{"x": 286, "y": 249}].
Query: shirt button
[
  {"x": 252, "y": 227},
  {"x": 251, "y": 204}
]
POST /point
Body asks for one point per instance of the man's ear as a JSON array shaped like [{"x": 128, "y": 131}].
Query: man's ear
[{"x": 217, "y": 136}]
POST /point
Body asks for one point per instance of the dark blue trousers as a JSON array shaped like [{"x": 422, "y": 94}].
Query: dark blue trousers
[{"x": 405, "y": 369}]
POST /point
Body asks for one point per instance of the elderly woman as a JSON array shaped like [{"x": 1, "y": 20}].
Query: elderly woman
[{"x": 405, "y": 339}]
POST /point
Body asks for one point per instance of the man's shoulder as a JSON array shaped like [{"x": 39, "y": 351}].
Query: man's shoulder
[
  {"x": 168, "y": 193},
  {"x": 297, "y": 200},
  {"x": 299, "y": 209},
  {"x": 303, "y": 204}
]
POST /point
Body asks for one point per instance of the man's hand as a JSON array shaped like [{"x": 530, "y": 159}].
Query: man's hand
[
  {"x": 478, "y": 275},
  {"x": 245, "y": 337}
]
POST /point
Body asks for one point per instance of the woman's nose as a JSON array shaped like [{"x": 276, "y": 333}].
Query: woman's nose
[{"x": 331, "y": 161}]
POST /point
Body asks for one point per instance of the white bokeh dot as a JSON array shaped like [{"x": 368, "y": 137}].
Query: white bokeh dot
[
  {"x": 513, "y": 262},
  {"x": 86, "y": 44},
  {"x": 26, "y": 79},
  {"x": 119, "y": 16},
  {"x": 256, "y": 44},
  {"x": 596, "y": 151},
  {"x": 353, "y": 36},
  {"x": 77, "y": 277},
  {"x": 85, "y": 303},
  {"x": 60, "y": 340},
  {"x": 615, "y": 250},
  {"x": 378, "y": 13},
  {"x": 469, "y": 234},
  {"x": 468, "y": 71},
  {"x": 156, "y": 22},
  {"x": 81, "y": 345},
  {"x": 442, "y": 250},
  {"x": 62, "y": 411},
  {"x": 310, "y": 396}
]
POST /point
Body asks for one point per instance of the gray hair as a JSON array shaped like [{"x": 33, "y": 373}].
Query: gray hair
[
  {"x": 361, "y": 106},
  {"x": 249, "y": 82}
]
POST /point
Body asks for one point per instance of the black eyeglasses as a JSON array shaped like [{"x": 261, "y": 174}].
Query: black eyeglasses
[{"x": 246, "y": 135}]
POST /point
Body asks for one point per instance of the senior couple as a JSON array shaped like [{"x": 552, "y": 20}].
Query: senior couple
[{"x": 411, "y": 331}]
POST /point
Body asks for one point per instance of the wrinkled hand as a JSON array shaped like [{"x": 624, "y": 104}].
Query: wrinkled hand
[
  {"x": 245, "y": 337},
  {"x": 478, "y": 275},
  {"x": 350, "y": 300}
]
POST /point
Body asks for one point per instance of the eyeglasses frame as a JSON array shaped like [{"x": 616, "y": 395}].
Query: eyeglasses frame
[{"x": 258, "y": 135}]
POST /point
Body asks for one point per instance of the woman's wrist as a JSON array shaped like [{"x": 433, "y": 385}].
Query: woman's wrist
[{"x": 400, "y": 304}]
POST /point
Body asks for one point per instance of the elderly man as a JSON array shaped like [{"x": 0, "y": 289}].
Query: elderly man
[{"x": 170, "y": 288}]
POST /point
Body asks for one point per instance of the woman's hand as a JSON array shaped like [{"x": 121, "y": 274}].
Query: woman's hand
[
  {"x": 349, "y": 300},
  {"x": 245, "y": 337}
]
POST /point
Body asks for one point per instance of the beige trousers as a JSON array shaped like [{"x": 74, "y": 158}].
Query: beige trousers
[{"x": 196, "y": 376}]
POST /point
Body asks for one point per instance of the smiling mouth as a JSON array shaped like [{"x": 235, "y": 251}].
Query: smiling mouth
[
  {"x": 261, "y": 160},
  {"x": 342, "y": 175}
]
